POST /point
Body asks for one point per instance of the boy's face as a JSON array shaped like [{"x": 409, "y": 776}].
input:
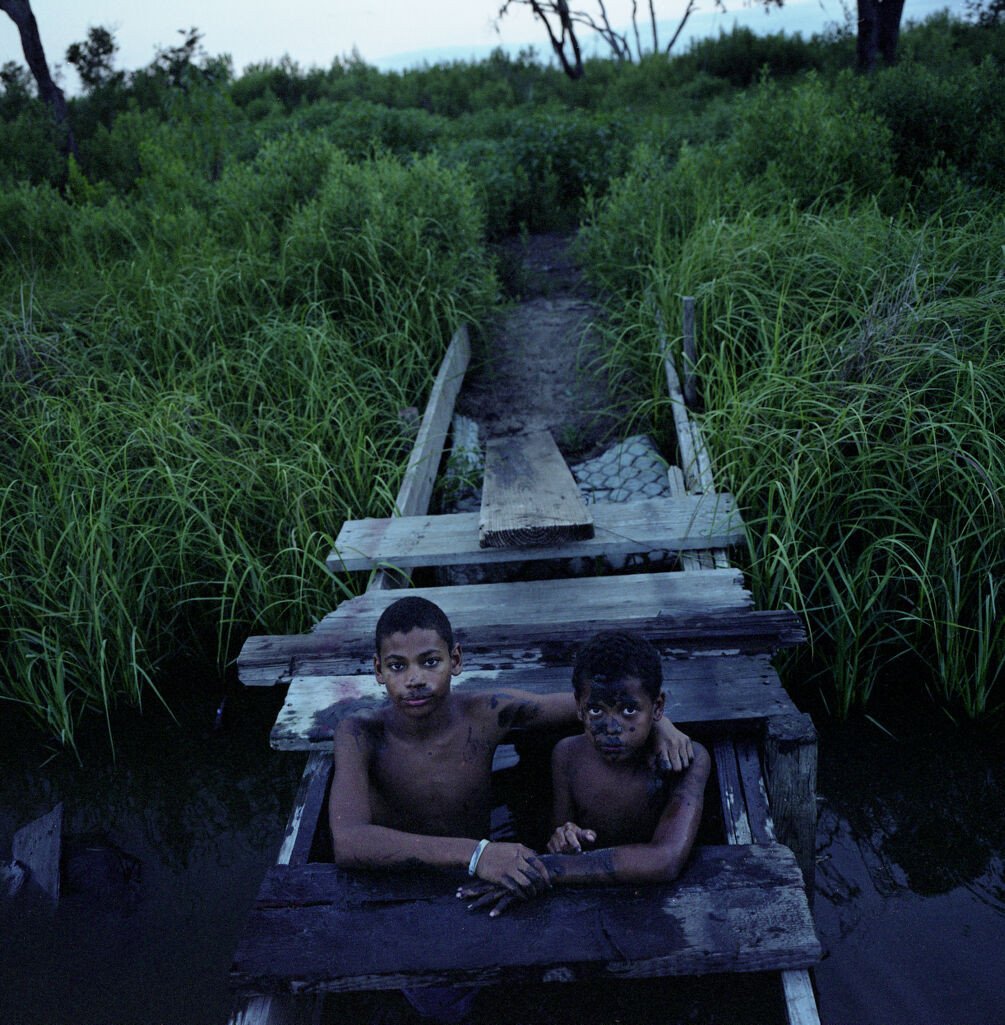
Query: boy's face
[
  {"x": 618, "y": 717},
  {"x": 416, "y": 667}
]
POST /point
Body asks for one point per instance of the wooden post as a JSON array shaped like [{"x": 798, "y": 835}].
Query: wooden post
[
  {"x": 690, "y": 355},
  {"x": 790, "y": 768}
]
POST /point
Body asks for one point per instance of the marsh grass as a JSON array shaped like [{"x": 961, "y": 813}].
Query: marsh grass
[
  {"x": 853, "y": 381},
  {"x": 184, "y": 428}
]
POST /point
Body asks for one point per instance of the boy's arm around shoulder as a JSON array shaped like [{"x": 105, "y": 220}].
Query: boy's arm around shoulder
[
  {"x": 659, "y": 860},
  {"x": 673, "y": 749}
]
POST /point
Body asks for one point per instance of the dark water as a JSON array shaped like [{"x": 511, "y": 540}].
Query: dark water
[{"x": 910, "y": 901}]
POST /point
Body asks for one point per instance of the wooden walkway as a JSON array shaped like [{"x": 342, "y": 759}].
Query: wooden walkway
[{"x": 737, "y": 907}]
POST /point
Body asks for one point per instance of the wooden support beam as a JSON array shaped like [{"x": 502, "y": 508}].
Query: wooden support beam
[
  {"x": 285, "y": 1008},
  {"x": 529, "y": 496},
  {"x": 790, "y": 769},
  {"x": 743, "y": 792}
]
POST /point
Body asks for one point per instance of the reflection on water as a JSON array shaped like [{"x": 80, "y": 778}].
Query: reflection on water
[
  {"x": 197, "y": 816},
  {"x": 910, "y": 883},
  {"x": 910, "y": 897}
]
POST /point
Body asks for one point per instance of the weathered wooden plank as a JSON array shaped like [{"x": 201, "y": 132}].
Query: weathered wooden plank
[
  {"x": 702, "y": 692},
  {"x": 37, "y": 846},
  {"x": 529, "y": 496},
  {"x": 800, "y": 1001},
  {"x": 666, "y": 525},
  {"x": 318, "y": 929},
  {"x": 755, "y": 794},
  {"x": 424, "y": 460},
  {"x": 321, "y": 655},
  {"x": 790, "y": 769},
  {"x": 474, "y": 607},
  {"x": 476, "y": 610},
  {"x": 731, "y": 797}
]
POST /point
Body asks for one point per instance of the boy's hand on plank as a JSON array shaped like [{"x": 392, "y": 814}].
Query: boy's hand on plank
[
  {"x": 489, "y": 895},
  {"x": 571, "y": 839},
  {"x": 515, "y": 867},
  {"x": 674, "y": 749}
]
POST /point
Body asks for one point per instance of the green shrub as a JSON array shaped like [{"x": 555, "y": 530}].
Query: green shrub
[
  {"x": 741, "y": 56},
  {"x": 937, "y": 119}
]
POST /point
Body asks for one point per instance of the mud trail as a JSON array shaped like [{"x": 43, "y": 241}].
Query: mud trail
[{"x": 538, "y": 365}]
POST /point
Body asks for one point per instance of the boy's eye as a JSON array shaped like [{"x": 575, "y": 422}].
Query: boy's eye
[
  {"x": 630, "y": 710},
  {"x": 395, "y": 667},
  {"x": 594, "y": 711},
  {"x": 433, "y": 661}
]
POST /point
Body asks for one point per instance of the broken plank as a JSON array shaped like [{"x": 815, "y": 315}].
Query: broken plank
[
  {"x": 529, "y": 496},
  {"x": 317, "y": 929},
  {"x": 37, "y": 846},
  {"x": 664, "y": 525},
  {"x": 701, "y": 692}
]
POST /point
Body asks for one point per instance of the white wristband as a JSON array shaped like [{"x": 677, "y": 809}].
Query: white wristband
[{"x": 473, "y": 863}]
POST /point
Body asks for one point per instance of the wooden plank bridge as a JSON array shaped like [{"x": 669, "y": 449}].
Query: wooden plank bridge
[{"x": 739, "y": 906}]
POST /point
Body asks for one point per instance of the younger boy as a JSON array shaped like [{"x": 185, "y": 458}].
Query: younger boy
[
  {"x": 412, "y": 780},
  {"x": 616, "y": 818}
]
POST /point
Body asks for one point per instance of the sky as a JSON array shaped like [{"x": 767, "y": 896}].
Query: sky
[{"x": 391, "y": 34}]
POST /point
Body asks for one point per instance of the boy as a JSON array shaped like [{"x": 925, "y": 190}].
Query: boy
[
  {"x": 616, "y": 818},
  {"x": 412, "y": 780}
]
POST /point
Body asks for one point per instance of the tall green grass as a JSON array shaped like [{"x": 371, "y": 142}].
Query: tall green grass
[
  {"x": 853, "y": 376},
  {"x": 194, "y": 396}
]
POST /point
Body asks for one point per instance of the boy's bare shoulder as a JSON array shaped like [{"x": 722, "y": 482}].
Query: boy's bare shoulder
[
  {"x": 364, "y": 728},
  {"x": 489, "y": 704},
  {"x": 568, "y": 748}
]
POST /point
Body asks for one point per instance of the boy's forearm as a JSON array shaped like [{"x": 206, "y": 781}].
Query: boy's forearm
[
  {"x": 610, "y": 866},
  {"x": 368, "y": 846}
]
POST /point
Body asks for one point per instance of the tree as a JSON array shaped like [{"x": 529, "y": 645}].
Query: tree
[
  {"x": 561, "y": 35},
  {"x": 21, "y": 14},
  {"x": 987, "y": 13},
  {"x": 93, "y": 57},
  {"x": 878, "y": 32},
  {"x": 560, "y": 23}
]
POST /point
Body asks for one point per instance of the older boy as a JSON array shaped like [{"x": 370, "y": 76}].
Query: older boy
[
  {"x": 617, "y": 819},
  {"x": 412, "y": 780}
]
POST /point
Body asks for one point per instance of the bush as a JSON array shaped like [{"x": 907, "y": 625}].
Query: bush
[{"x": 951, "y": 119}]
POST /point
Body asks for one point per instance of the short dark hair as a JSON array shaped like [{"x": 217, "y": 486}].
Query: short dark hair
[
  {"x": 412, "y": 613},
  {"x": 614, "y": 655}
]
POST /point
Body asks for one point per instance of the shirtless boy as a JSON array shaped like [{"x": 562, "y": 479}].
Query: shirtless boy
[
  {"x": 412, "y": 780},
  {"x": 617, "y": 818}
]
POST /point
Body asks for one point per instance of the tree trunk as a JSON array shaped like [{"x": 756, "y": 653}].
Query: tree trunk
[
  {"x": 21, "y": 14},
  {"x": 878, "y": 32}
]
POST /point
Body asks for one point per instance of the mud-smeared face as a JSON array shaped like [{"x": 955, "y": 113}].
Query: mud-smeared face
[
  {"x": 416, "y": 667},
  {"x": 618, "y": 717}
]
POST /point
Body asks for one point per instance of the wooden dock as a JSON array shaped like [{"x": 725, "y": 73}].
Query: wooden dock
[{"x": 741, "y": 906}]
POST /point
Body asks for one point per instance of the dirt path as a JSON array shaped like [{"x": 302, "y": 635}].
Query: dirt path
[{"x": 537, "y": 366}]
